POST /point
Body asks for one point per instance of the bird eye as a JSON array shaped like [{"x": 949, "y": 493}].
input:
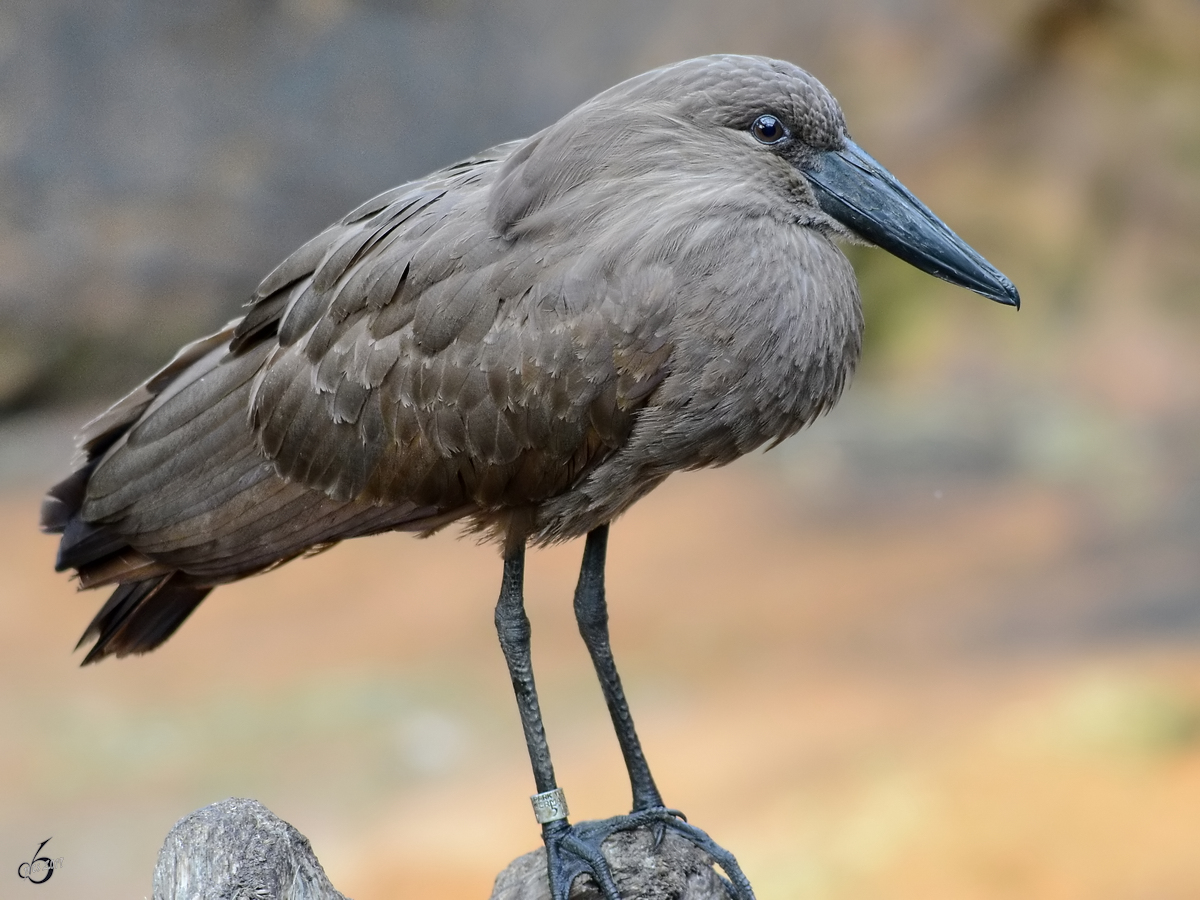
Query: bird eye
[{"x": 768, "y": 130}]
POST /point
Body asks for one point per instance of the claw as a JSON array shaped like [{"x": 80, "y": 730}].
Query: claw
[
  {"x": 574, "y": 850},
  {"x": 659, "y": 831}
]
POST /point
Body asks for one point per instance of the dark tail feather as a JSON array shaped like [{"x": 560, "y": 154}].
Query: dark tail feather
[
  {"x": 83, "y": 544},
  {"x": 140, "y": 615},
  {"x": 63, "y": 500}
]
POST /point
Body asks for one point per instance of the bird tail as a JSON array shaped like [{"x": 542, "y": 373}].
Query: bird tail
[
  {"x": 151, "y": 599},
  {"x": 140, "y": 615},
  {"x": 142, "y": 612},
  {"x": 170, "y": 498}
]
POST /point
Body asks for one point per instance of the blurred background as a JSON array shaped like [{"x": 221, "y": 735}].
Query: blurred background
[{"x": 940, "y": 645}]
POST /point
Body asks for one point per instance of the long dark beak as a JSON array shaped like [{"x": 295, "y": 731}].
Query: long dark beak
[{"x": 867, "y": 199}]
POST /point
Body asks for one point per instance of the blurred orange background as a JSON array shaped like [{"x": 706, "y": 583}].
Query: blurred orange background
[{"x": 940, "y": 645}]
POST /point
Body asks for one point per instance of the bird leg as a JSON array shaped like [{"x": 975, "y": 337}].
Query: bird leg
[
  {"x": 512, "y": 627},
  {"x": 567, "y": 856},
  {"x": 591, "y": 613},
  {"x": 574, "y": 850}
]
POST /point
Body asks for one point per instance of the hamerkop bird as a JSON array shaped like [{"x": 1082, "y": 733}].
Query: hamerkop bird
[{"x": 527, "y": 341}]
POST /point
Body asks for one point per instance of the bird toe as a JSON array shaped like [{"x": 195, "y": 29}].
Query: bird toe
[{"x": 575, "y": 850}]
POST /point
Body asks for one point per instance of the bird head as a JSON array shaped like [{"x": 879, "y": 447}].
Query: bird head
[{"x": 778, "y": 110}]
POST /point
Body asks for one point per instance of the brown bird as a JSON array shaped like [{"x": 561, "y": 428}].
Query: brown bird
[{"x": 527, "y": 341}]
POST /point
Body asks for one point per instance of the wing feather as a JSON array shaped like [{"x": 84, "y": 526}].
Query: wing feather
[{"x": 408, "y": 365}]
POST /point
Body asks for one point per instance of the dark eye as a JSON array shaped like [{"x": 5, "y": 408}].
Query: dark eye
[{"x": 768, "y": 130}]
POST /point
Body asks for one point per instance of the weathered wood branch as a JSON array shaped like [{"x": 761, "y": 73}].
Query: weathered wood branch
[{"x": 239, "y": 850}]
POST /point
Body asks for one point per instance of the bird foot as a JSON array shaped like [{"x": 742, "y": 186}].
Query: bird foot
[{"x": 574, "y": 850}]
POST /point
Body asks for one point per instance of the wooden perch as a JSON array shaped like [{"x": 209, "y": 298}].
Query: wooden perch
[{"x": 239, "y": 850}]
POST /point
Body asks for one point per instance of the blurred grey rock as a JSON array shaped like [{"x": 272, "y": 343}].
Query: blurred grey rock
[
  {"x": 675, "y": 870},
  {"x": 238, "y": 850}
]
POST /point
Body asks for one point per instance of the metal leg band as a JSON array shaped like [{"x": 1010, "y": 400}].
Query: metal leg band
[{"x": 549, "y": 806}]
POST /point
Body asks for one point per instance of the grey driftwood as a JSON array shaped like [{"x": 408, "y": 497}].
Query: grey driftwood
[{"x": 239, "y": 850}]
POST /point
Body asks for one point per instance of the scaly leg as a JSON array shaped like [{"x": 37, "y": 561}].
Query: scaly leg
[
  {"x": 591, "y": 612},
  {"x": 567, "y": 856},
  {"x": 574, "y": 850}
]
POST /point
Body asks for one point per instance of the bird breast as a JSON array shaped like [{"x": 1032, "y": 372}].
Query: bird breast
[{"x": 762, "y": 325}]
